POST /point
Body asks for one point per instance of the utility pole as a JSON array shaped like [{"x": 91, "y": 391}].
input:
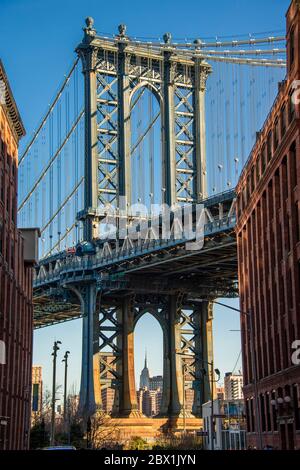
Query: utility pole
[
  {"x": 54, "y": 354},
  {"x": 65, "y": 360},
  {"x": 212, "y": 381},
  {"x": 254, "y": 373}
]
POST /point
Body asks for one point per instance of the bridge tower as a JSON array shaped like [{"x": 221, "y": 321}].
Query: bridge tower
[{"x": 113, "y": 72}]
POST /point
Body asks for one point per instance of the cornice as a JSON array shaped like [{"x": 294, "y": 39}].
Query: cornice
[{"x": 10, "y": 106}]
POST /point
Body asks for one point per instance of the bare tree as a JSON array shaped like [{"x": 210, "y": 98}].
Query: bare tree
[{"x": 102, "y": 431}]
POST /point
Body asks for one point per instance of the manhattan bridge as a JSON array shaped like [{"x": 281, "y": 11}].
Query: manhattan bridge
[{"x": 138, "y": 122}]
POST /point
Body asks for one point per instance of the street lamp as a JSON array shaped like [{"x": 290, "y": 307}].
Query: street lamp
[
  {"x": 248, "y": 314},
  {"x": 283, "y": 407},
  {"x": 211, "y": 364},
  {"x": 212, "y": 381},
  {"x": 65, "y": 360},
  {"x": 54, "y": 354}
]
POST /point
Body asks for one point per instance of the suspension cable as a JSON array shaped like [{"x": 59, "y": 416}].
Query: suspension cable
[
  {"x": 51, "y": 107},
  {"x": 51, "y": 161},
  {"x": 66, "y": 200},
  {"x": 256, "y": 62}
]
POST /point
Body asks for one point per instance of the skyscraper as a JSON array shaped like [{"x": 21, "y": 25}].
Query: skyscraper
[
  {"x": 233, "y": 385},
  {"x": 145, "y": 376},
  {"x": 156, "y": 382},
  {"x": 149, "y": 394}
]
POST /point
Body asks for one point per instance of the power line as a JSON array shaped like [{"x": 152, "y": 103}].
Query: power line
[{"x": 236, "y": 363}]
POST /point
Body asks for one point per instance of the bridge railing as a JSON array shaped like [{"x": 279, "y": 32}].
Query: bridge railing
[{"x": 109, "y": 255}]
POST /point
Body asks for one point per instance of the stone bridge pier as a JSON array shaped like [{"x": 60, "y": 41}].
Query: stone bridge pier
[{"x": 108, "y": 350}]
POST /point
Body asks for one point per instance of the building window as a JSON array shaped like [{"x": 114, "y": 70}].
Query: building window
[
  {"x": 284, "y": 177},
  {"x": 288, "y": 238},
  {"x": 2, "y": 181},
  {"x": 269, "y": 145},
  {"x": 285, "y": 349},
  {"x": 264, "y": 160},
  {"x": 274, "y": 413},
  {"x": 13, "y": 214},
  {"x": 8, "y": 199},
  {"x": 1, "y": 239},
  {"x": 296, "y": 406},
  {"x": 248, "y": 415},
  {"x": 270, "y": 199},
  {"x": 283, "y": 120},
  {"x": 248, "y": 188},
  {"x": 6, "y": 251},
  {"x": 291, "y": 107},
  {"x": 12, "y": 256},
  {"x": 262, "y": 413},
  {"x": 297, "y": 222},
  {"x": 293, "y": 164},
  {"x": 252, "y": 180},
  {"x": 1, "y": 147},
  {"x": 292, "y": 47},
  {"x": 258, "y": 169},
  {"x": 244, "y": 198},
  {"x": 251, "y": 415},
  {"x": 276, "y": 135},
  {"x": 271, "y": 363},
  {"x": 268, "y": 415},
  {"x": 289, "y": 290}
]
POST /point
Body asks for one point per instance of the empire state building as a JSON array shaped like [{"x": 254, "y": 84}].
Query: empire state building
[{"x": 145, "y": 376}]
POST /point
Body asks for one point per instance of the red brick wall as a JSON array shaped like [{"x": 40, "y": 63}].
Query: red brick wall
[
  {"x": 268, "y": 235},
  {"x": 15, "y": 304}
]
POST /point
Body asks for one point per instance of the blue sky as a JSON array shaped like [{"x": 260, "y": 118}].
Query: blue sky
[{"x": 37, "y": 42}]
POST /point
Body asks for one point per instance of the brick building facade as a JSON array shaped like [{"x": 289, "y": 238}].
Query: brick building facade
[
  {"x": 37, "y": 392},
  {"x": 15, "y": 287},
  {"x": 268, "y": 237},
  {"x": 149, "y": 401}
]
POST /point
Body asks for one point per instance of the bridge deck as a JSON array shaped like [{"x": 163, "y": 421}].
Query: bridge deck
[{"x": 148, "y": 267}]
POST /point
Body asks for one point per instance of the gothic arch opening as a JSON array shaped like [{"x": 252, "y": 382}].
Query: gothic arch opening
[
  {"x": 148, "y": 363},
  {"x": 146, "y": 162}
]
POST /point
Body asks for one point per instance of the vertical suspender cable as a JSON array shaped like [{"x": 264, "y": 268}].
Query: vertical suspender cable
[
  {"x": 51, "y": 147},
  {"x": 151, "y": 150},
  {"x": 242, "y": 115},
  {"x": 59, "y": 179},
  {"x": 66, "y": 154},
  {"x": 235, "y": 124},
  {"x": 228, "y": 126},
  {"x": 76, "y": 110},
  {"x": 36, "y": 196}
]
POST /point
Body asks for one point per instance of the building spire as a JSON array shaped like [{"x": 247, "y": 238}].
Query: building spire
[{"x": 146, "y": 359}]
